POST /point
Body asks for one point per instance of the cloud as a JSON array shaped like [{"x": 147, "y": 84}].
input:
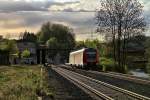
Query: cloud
[
  {"x": 20, "y": 15},
  {"x": 65, "y": 7},
  {"x": 9, "y": 23},
  {"x": 78, "y": 6},
  {"x": 7, "y": 6},
  {"x": 81, "y": 22}
]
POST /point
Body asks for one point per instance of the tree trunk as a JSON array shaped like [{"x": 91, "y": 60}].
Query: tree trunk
[
  {"x": 119, "y": 43},
  {"x": 114, "y": 45},
  {"x": 124, "y": 52}
]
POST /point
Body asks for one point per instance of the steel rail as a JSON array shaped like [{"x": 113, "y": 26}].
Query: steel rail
[
  {"x": 132, "y": 94},
  {"x": 89, "y": 88},
  {"x": 124, "y": 77}
]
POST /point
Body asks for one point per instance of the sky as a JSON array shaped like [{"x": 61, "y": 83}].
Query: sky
[{"x": 19, "y": 15}]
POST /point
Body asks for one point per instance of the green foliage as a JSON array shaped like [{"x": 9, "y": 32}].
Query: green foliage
[
  {"x": 91, "y": 44},
  {"x": 58, "y": 37},
  {"x": 12, "y": 47},
  {"x": 88, "y": 43},
  {"x": 9, "y": 45},
  {"x": 104, "y": 50},
  {"x": 52, "y": 43},
  {"x": 3, "y": 47},
  {"x": 63, "y": 34},
  {"x": 45, "y": 32},
  {"x": 80, "y": 44},
  {"x": 25, "y": 53},
  {"x": 107, "y": 64},
  {"x": 101, "y": 47}
]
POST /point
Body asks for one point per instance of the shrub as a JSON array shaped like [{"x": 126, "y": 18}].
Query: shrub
[
  {"x": 25, "y": 53},
  {"x": 107, "y": 64}
]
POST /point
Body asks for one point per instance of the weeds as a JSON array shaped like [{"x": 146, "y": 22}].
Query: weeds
[{"x": 22, "y": 83}]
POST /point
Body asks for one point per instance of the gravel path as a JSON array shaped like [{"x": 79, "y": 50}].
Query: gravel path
[{"x": 65, "y": 90}]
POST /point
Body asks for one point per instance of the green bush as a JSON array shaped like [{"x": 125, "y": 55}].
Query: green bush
[
  {"x": 25, "y": 53},
  {"x": 107, "y": 64}
]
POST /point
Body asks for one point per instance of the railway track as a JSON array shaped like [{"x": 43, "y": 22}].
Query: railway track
[
  {"x": 121, "y": 76},
  {"x": 125, "y": 77},
  {"x": 128, "y": 75},
  {"x": 101, "y": 89},
  {"x": 139, "y": 86}
]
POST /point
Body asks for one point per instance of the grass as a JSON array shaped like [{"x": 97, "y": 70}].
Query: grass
[{"x": 23, "y": 83}]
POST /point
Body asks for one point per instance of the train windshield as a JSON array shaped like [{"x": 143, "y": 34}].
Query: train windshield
[{"x": 91, "y": 54}]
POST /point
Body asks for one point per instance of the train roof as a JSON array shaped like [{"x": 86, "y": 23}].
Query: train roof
[{"x": 81, "y": 50}]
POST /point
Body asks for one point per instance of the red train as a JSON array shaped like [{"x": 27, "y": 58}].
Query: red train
[{"x": 84, "y": 58}]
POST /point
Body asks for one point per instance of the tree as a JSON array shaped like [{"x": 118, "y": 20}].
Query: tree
[
  {"x": 45, "y": 32},
  {"x": 87, "y": 44},
  {"x": 28, "y": 37},
  {"x": 25, "y": 54},
  {"x": 62, "y": 33},
  {"x": 53, "y": 44},
  {"x": 64, "y": 36},
  {"x": 147, "y": 54},
  {"x": 80, "y": 45},
  {"x": 91, "y": 44},
  {"x": 11, "y": 46},
  {"x": 120, "y": 20}
]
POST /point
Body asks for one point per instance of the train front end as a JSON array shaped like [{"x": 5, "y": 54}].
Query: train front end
[{"x": 90, "y": 57}]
